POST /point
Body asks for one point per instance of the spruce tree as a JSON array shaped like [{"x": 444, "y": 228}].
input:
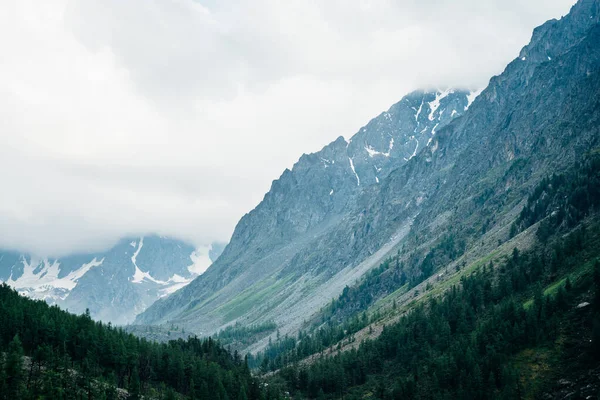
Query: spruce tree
[
  {"x": 242, "y": 394},
  {"x": 597, "y": 285},
  {"x": 14, "y": 369},
  {"x": 3, "y": 383},
  {"x": 134, "y": 385}
]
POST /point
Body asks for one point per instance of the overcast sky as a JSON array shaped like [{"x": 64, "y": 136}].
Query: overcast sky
[{"x": 120, "y": 117}]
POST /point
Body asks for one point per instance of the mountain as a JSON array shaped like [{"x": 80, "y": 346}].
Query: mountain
[
  {"x": 495, "y": 290},
  {"x": 114, "y": 285},
  {"x": 305, "y": 203},
  {"x": 454, "y": 170},
  {"x": 379, "y": 267}
]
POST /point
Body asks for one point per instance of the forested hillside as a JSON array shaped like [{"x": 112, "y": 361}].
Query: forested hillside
[
  {"x": 51, "y": 354},
  {"x": 523, "y": 327}
]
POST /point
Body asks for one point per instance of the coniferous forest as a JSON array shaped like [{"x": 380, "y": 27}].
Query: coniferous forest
[
  {"x": 482, "y": 337},
  {"x": 51, "y": 354},
  {"x": 465, "y": 345}
]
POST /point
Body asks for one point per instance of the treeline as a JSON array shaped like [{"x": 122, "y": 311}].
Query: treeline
[
  {"x": 346, "y": 315},
  {"x": 393, "y": 274},
  {"x": 562, "y": 200},
  {"x": 286, "y": 350},
  {"x": 380, "y": 281},
  {"x": 459, "y": 346},
  {"x": 74, "y": 357},
  {"x": 245, "y": 335}
]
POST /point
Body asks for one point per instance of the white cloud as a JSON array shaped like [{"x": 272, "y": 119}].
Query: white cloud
[{"x": 173, "y": 116}]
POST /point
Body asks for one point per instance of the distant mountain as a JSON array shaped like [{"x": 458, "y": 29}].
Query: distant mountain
[
  {"x": 429, "y": 168},
  {"x": 114, "y": 285}
]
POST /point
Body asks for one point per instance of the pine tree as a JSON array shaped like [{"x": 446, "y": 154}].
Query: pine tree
[
  {"x": 134, "y": 386},
  {"x": 3, "y": 385},
  {"x": 596, "y": 336},
  {"x": 321, "y": 395},
  {"x": 14, "y": 369},
  {"x": 597, "y": 285},
  {"x": 242, "y": 394},
  {"x": 170, "y": 394},
  {"x": 110, "y": 391},
  {"x": 204, "y": 392},
  {"x": 192, "y": 390},
  {"x": 111, "y": 387}
]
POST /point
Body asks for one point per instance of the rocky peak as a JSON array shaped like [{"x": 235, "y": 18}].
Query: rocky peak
[
  {"x": 554, "y": 37},
  {"x": 399, "y": 134},
  {"x": 115, "y": 284}
]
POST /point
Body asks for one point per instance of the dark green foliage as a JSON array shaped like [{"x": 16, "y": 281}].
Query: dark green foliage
[
  {"x": 287, "y": 350},
  {"x": 597, "y": 286},
  {"x": 596, "y": 305},
  {"x": 345, "y": 315},
  {"x": 134, "y": 385},
  {"x": 73, "y": 357},
  {"x": 390, "y": 276},
  {"x": 562, "y": 200},
  {"x": 576, "y": 190},
  {"x": 13, "y": 369},
  {"x": 245, "y": 334},
  {"x": 459, "y": 346}
]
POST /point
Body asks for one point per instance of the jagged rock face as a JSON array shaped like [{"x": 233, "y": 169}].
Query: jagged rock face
[
  {"x": 399, "y": 134},
  {"x": 336, "y": 211},
  {"x": 310, "y": 200},
  {"x": 535, "y": 118},
  {"x": 323, "y": 185},
  {"x": 114, "y": 285},
  {"x": 538, "y": 116}
]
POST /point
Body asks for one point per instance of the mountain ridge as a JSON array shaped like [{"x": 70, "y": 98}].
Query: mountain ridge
[
  {"x": 324, "y": 184},
  {"x": 115, "y": 284},
  {"x": 512, "y": 121}
]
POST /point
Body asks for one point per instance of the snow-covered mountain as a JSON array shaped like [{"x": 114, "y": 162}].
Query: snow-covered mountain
[{"x": 114, "y": 285}]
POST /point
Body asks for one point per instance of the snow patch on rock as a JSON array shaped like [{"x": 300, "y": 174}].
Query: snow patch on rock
[{"x": 354, "y": 171}]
